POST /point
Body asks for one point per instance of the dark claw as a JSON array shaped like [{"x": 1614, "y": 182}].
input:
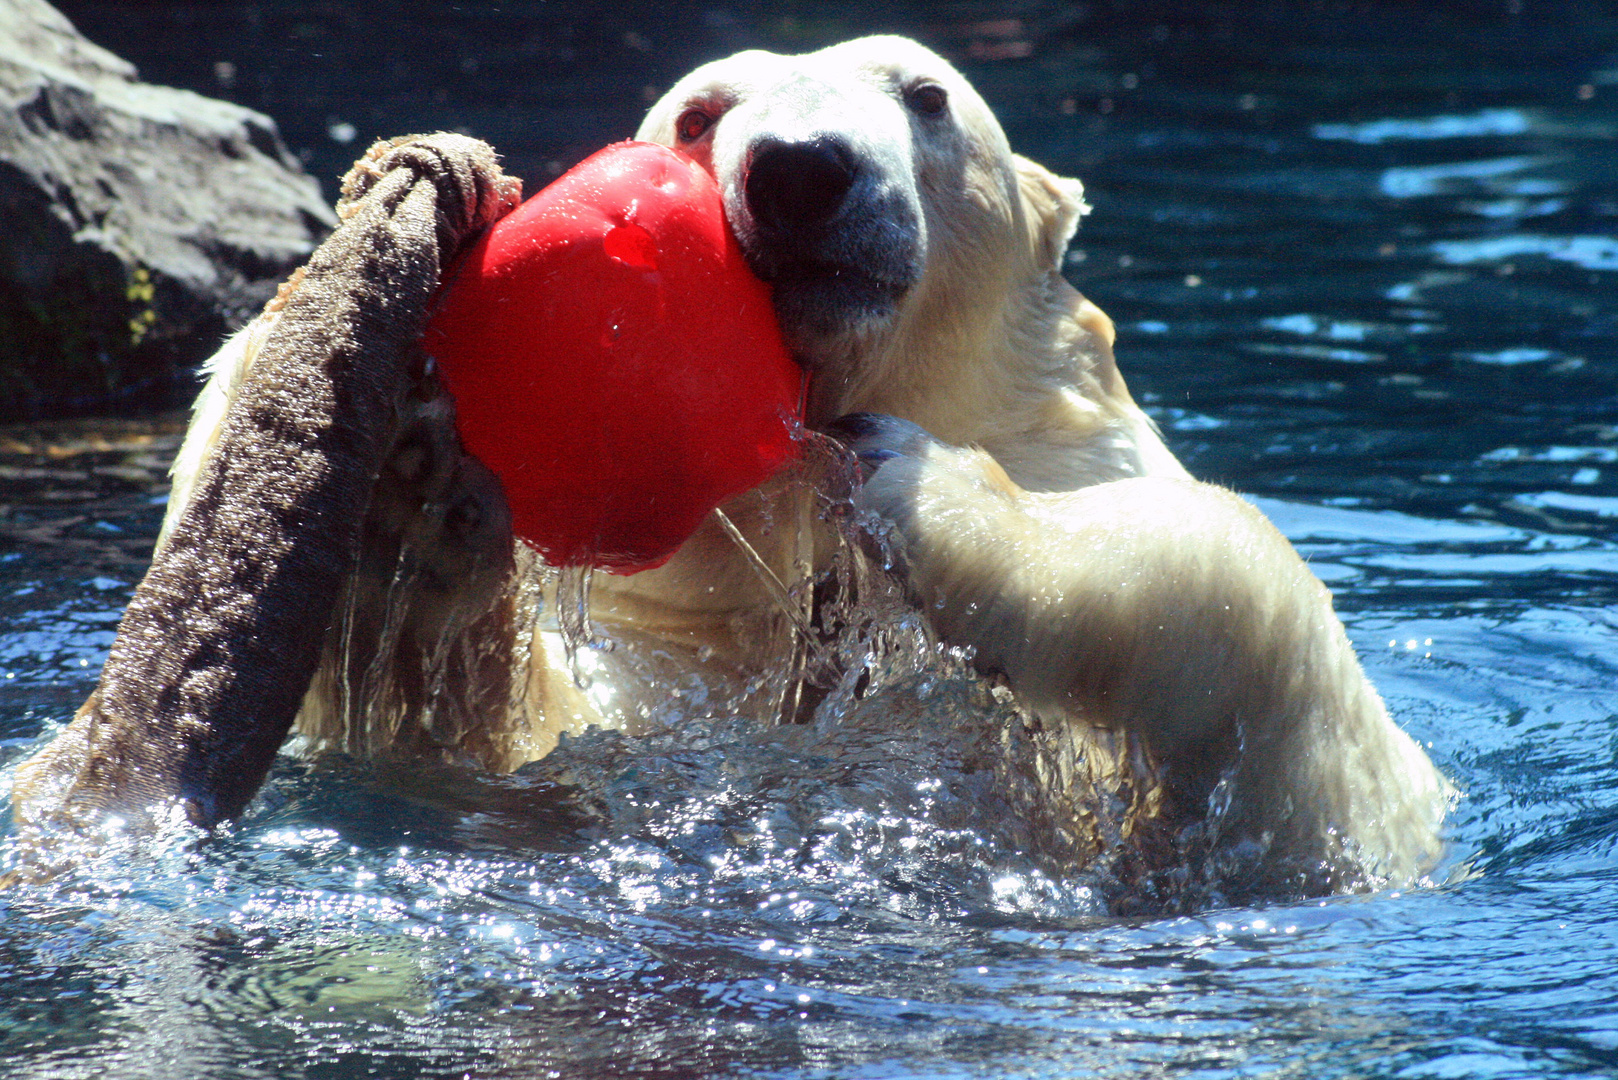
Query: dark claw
[
  {"x": 873, "y": 437},
  {"x": 851, "y": 427}
]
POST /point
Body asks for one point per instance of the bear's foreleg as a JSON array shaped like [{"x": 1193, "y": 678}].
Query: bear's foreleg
[{"x": 1174, "y": 609}]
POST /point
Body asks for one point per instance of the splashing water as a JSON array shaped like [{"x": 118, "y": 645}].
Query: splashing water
[{"x": 572, "y": 587}]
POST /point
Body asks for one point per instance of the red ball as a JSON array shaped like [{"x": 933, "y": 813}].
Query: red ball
[{"x": 614, "y": 362}]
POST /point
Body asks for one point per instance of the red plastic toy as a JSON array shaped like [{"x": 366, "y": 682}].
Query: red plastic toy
[{"x": 614, "y": 361}]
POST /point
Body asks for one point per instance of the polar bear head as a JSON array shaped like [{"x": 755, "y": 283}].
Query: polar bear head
[{"x": 873, "y": 189}]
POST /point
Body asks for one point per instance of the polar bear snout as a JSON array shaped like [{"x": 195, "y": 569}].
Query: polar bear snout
[
  {"x": 818, "y": 159},
  {"x": 832, "y": 224},
  {"x": 793, "y": 187}
]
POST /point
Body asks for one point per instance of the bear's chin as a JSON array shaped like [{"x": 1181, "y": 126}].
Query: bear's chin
[{"x": 823, "y": 315}]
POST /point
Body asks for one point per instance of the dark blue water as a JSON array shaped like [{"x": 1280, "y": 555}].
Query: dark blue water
[{"x": 1364, "y": 263}]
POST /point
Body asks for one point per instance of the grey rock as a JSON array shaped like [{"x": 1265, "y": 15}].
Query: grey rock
[{"x": 140, "y": 223}]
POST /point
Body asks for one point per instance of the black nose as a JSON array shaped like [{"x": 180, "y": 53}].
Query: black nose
[{"x": 795, "y": 184}]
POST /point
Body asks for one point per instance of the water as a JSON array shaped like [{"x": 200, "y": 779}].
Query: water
[{"x": 1362, "y": 259}]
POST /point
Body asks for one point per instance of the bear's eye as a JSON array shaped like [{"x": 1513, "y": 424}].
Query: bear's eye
[
  {"x": 693, "y": 124},
  {"x": 926, "y": 99}
]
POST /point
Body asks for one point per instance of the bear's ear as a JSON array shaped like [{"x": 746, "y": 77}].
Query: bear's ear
[{"x": 1053, "y": 205}]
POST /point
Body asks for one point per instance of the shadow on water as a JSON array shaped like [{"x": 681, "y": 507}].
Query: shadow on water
[{"x": 1361, "y": 256}]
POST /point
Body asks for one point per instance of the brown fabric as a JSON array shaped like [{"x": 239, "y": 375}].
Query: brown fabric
[{"x": 223, "y": 635}]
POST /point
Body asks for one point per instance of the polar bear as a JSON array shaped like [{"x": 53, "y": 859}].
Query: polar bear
[
  {"x": 1036, "y": 516},
  {"x": 915, "y": 262}
]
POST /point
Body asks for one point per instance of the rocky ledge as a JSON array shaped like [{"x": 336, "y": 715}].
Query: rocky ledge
[{"x": 141, "y": 223}]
